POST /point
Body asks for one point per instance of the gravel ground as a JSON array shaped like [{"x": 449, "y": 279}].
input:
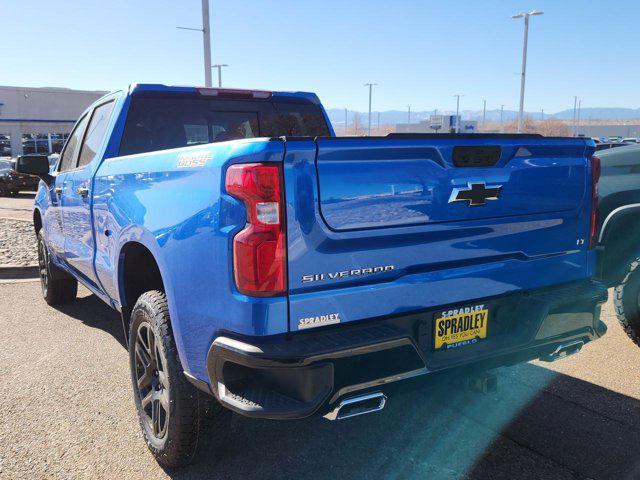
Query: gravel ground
[
  {"x": 66, "y": 411},
  {"x": 18, "y": 244}
]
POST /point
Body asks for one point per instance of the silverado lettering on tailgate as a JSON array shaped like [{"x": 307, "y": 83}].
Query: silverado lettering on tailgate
[{"x": 356, "y": 272}]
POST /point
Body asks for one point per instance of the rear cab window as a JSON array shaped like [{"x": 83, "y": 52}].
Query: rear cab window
[{"x": 159, "y": 121}]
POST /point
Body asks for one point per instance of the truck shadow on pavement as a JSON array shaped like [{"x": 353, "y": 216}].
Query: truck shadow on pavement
[
  {"x": 94, "y": 313},
  {"x": 539, "y": 424}
]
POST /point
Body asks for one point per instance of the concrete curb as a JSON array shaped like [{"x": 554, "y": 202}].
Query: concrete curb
[{"x": 16, "y": 272}]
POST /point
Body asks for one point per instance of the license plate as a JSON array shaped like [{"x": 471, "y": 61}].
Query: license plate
[{"x": 457, "y": 327}]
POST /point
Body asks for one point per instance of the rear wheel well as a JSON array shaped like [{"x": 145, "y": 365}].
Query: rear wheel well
[
  {"x": 139, "y": 274},
  {"x": 621, "y": 245}
]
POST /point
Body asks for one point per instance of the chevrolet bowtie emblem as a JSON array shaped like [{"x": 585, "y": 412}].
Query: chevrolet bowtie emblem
[{"x": 475, "y": 194}]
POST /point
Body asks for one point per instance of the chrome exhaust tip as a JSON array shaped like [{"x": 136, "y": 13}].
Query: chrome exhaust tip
[
  {"x": 361, "y": 405},
  {"x": 564, "y": 350}
]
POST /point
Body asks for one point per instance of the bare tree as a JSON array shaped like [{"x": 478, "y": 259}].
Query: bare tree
[
  {"x": 553, "y": 128},
  {"x": 357, "y": 123}
]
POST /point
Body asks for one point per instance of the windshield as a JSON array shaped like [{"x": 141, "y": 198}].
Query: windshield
[{"x": 163, "y": 122}]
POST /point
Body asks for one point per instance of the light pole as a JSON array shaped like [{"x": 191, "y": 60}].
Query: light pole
[
  {"x": 457, "y": 112},
  {"x": 524, "y": 61},
  {"x": 370, "y": 85},
  {"x": 219, "y": 67},
  {"x": 542, "y": 114},
  {"x": 484, "y": 112},
  {"x": 206, "y": 40},
  {"x": 378, "y": 124},
  {"x": 408, "y": 118},
  {"x": 501, "y": 118},
  {"x": 575, "y": 109}
]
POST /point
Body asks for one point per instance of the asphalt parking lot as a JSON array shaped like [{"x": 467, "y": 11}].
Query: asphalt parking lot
[{"x": 67, "y": 412}]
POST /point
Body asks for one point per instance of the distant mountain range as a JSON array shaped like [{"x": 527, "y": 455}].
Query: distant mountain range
[{"x": 391, "y": 117}]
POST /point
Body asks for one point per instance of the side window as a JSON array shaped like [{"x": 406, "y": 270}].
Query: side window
[
  {"x": 68, "y": 156},
  {"x": 95, "y": 133}
]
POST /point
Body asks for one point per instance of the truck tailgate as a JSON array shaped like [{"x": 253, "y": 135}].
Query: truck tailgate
[{"x": 382, "y": 226}]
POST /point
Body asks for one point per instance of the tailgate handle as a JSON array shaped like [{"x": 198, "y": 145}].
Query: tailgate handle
[{"x": 476, "y": 156}]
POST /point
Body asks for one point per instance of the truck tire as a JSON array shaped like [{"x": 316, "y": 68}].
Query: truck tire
[
  {"x": 626, "y": 300},
  {"x": 171, "y": 411},
  {"x": 57, "y": 286}
]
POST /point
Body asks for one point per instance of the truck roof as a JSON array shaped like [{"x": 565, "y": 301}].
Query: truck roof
[{"x": 226, "y": 92}]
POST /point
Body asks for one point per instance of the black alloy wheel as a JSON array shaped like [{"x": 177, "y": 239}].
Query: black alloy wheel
[{"x": 152, "y": 383}]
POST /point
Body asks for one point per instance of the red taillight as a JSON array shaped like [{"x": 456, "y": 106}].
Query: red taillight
[
  {"x": 259, "y": 250},
  {"x": 595, "y": 177}
]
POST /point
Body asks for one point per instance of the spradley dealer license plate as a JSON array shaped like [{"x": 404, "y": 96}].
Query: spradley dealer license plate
[{"x": 457, "y": 327}]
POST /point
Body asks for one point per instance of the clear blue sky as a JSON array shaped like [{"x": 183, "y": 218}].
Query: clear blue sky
[{"x": 419, "y": 52}]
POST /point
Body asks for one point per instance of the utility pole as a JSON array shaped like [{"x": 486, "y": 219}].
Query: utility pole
[
  {"x": 408, "y": 118},
  {"x": 575, "y": 108},
  {"x": 378, "y": 124},
  {"x": 346, "y": 125},
  {"x": 370, "y": 85},
  {"x": 501, "y": 118},
  {"x": 219, "y": 67},
  {"x": 484, "y": 112},
  {"x": 578, "y": 119},
  {"x": 206, "y": 41},
  {"x": 524, "y": 61},
  {"x": 542, "y": 114},
  {"x": 458, "y": 112}
]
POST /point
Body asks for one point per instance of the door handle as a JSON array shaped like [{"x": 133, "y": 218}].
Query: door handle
[
  {"x": 82, "y": 191},
  {"x": 58, "y": 190}
]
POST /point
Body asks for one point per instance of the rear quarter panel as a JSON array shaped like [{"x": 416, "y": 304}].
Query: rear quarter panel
[{"x": 182, "y": 216}]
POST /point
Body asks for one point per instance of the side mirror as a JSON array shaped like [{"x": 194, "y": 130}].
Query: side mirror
[{"x": 36, "y": 165}]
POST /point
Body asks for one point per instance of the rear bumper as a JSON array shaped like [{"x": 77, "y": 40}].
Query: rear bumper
[{"x": 294, "y": 376}]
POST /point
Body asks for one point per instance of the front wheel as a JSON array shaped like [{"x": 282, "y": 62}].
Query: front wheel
[
  {"x": 171, "y": 411},
  {"x": 627, "y": 301}
]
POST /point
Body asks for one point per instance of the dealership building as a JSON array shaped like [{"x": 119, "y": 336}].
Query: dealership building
[
  {"x": 439, "y": 124},
  {"x": 38, "y": 120}
]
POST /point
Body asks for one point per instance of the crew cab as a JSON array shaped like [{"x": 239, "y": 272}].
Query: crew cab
[{"x": 260, "y": 260}]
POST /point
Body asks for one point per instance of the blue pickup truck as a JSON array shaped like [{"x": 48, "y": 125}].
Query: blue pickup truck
[{"x": 259, "y": 259}]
